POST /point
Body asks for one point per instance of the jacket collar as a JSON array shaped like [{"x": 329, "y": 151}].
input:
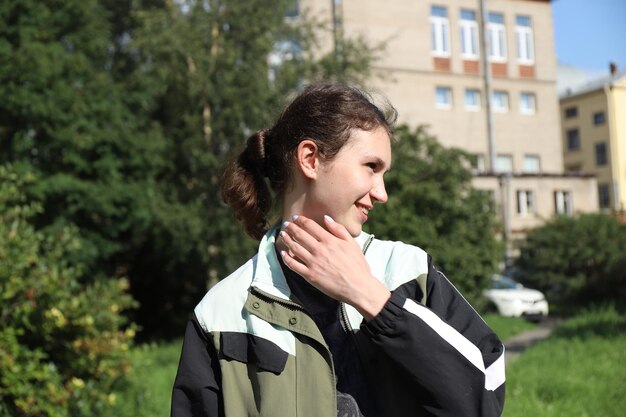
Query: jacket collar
[{"x": 268, "y": 275}]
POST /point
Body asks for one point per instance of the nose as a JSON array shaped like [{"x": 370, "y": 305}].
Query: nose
[{"x": 379, "y": 193}]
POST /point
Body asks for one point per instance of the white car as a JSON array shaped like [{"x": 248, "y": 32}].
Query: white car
[{"x": 512, "y": 299}]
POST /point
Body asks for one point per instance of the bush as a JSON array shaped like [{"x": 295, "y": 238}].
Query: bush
[
  {"x": 577, "y": 260},
  {"x": 63, "y": 341}
]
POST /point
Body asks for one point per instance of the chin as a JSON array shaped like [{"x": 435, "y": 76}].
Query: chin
[{"x": 355, "y": 230}]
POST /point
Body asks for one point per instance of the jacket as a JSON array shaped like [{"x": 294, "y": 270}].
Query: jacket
[{"x": 250, "y": 350}]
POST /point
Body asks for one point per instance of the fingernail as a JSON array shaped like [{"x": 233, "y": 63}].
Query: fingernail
[
  {"x": 282, "y": 233},
  {"x": 328, "y": 218},
  {"x": 283, "y": 253},
  {"x": 285, "y": 224},
  {"x": 294, "y": 217}
]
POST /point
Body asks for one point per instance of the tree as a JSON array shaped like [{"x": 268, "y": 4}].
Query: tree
[
  {"x": 576, "y": 260},
  {"x": 64, "y": 115},
  {"x": 217, "y": 71},
  {"x": 127, "y": 111},
  {"x": 63, "y": 343},
  {"x": 433, "y": 205}
]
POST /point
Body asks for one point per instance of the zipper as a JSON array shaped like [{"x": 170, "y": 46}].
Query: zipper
[
  {"x": 287, "y": 303},
  {"x": 343, "y": 316},
  {"x": 367, "y": 244}
]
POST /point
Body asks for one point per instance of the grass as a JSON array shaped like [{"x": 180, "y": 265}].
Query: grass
[
  {"x": 149, "y": 389},
  {"x": 506, "y": 327},
  {"x": 579, "y": 371}
]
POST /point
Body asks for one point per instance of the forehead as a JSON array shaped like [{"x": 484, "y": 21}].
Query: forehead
[{"x": 369, "y": 143}]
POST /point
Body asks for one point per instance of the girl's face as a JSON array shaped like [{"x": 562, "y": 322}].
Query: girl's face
[{"x": 347, "y": 187}]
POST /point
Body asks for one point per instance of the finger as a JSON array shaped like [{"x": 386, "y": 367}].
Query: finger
[
  {"x": 297, "y": 267},
  {"x": 311, "y": 226},
  {"x": 301, "y": 231},
  {"x": 339, "y": 230},
  {"x": 295, "y": 248}
]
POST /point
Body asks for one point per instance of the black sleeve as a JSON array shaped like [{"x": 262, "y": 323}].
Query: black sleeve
[
  {"x": 197, "y": 386},
  {"x": 444, "y": 347}
]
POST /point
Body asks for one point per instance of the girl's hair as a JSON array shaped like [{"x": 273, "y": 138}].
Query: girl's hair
[{"x": 324, "y": 113}]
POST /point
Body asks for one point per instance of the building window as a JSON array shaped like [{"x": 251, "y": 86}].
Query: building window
[
  {"x": 440, "y": 31},
  {"x": 294, "y": 9},
  {"x": 574, "y": 168},
  {"x": 472, "y": 99},
  {"x": 500, "y": 101},
  {"x": 469, "y": 34},
  {"x": 496, "y": 38},
  {"x": 604, "y": 198},
  {"x": 573, "y": 139},
  {"x": 525, "y": 202},
  {"x": 563, "y": 202},
  {"x": 443, "y": 97},
  {"x": 571, "y": 112},
  {"x": 490, "y": 204},
  {"x": 532, "y": 164},
  {"x": 527, "y": 103},
  {"x": 524, "y": 39},
  {"x": 598, "y": 118},
  {"x": 478, "y": 163},
  {"x": 601, "y": 156},
  {"x": 504, "y": 163}
]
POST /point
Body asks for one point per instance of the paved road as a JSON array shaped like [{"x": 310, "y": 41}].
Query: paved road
[{"x": 516, "y": 345}]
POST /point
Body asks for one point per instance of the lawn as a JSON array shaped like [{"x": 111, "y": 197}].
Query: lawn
[
  {"x": 506, "y": 327},
  {"x": 579, "y": 371},
  {"x": 149, "y": 389}
]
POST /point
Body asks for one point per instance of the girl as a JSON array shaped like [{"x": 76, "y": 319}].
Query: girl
[{"x": 325, "y": 320}]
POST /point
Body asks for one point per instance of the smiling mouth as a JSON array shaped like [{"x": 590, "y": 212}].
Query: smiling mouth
[{"x": 364, "y": 212}]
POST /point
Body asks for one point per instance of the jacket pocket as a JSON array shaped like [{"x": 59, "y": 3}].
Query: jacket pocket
[{"x": 253, "y": 350}]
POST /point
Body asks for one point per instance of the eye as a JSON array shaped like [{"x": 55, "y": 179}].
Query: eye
[{"x": 372, "y": 165}]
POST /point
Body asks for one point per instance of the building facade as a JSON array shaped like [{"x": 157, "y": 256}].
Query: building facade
[
  {"x": 593, "y": 120},
  {"x": 433, "y": 74}
]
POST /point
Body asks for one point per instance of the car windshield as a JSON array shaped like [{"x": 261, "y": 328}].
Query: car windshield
[{"x": 504, "y": 283}]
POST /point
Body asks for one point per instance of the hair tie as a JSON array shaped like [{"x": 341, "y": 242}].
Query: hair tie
[{"x": 255, "y": 150}]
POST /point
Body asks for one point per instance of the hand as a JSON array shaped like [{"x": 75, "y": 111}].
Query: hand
[{"x": 333, "y": 262}]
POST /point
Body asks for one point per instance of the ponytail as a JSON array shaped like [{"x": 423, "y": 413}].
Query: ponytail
[{"x": 244, "y": 187}]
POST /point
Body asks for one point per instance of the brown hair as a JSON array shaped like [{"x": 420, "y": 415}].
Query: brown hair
[{"x": 324, "y": 113}]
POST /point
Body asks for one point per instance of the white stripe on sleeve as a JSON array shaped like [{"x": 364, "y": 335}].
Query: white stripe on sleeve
[{"x": 494, "y": 375}]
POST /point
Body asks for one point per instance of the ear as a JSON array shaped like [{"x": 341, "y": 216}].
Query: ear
[{"x": 308, "y": 158}]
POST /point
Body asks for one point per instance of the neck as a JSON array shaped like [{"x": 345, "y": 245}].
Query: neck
[
  {"x": 293, "y": 205},
  {"x": 296, "y": 203}
]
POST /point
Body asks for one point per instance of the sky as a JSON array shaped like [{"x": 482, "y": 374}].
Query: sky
[{"x": 590, "y": 33}]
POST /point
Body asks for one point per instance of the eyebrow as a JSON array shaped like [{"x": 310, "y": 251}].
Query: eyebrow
[{"x": 378, "y": 161}]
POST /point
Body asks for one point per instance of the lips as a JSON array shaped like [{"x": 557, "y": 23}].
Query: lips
[{"x": 363, "y": 211}]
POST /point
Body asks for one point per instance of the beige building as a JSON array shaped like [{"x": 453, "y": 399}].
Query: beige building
[
  {"x": 433, "y": 75},
  {"x": 593, "y": 119}
]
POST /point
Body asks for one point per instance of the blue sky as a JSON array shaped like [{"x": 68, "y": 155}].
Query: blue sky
[{"x": 590, "y": 33}]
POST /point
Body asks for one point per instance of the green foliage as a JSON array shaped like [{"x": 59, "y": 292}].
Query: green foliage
[
  {"x": 576, "y": 372},
  {"x": 126, "y": 111},
  {"x": 432, "y": 205},
  {"x": 65, "y": 116},
  {"x": 577, "y": 260},
  {"x": 63, "y": 343}
]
